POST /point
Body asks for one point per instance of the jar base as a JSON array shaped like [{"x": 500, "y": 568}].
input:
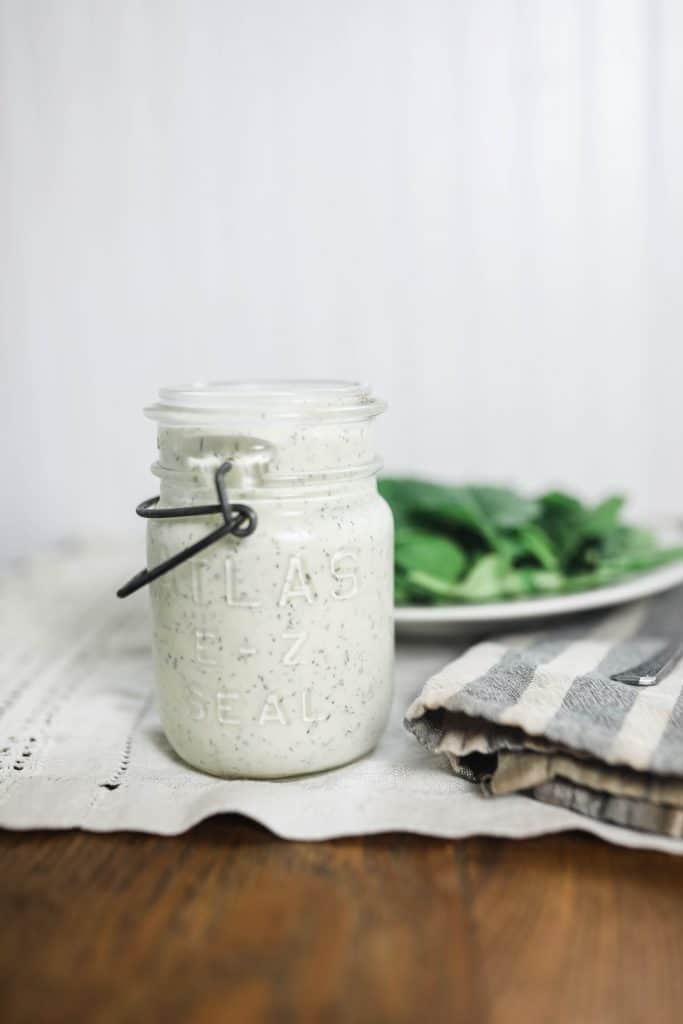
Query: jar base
[{"x": 273, "y": 776}]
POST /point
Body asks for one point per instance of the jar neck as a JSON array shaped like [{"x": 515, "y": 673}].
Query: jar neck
[
  {"x": 269, "y": 454},
  {"x": 177, "y": 489}
]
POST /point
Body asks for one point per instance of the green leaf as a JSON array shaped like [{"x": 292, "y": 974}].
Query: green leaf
[
  {"x": 418, "y": 549},
  {"x": 527, "y": 582},
  {"x": 532, "y": 540},
  {"x": 454, "y": 509},
  {"x": 503, "y": 508},
  {"x": 562, "y": 517},
  {"x": 429, "y": 589},
  {"x": 484, "y": 582},
  {"x": 483, "y": 510},
  {"x": 603, "y": 519},
  {"x": 402, "y": 591},
  {"x": 628, "y": 542}
]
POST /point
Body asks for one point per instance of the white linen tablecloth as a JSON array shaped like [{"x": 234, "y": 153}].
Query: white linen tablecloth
[{"x": 81, "y": 745}]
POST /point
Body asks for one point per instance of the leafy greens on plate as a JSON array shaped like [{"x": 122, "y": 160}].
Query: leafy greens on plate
[{"x": 479, "y": 543}]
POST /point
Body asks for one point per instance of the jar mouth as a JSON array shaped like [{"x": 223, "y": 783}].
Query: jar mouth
[{"x": 213, "y": 401}]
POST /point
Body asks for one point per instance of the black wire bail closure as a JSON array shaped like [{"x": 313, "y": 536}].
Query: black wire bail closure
[{"x": 238, "y": 520}]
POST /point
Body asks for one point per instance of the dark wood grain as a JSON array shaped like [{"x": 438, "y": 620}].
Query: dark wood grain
[{"x": 227, "y": 923}]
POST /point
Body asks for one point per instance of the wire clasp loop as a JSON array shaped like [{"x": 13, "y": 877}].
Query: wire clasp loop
[{"x": 238, "y": 520}]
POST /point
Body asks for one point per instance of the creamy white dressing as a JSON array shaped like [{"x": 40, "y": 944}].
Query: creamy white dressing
[{"x": 274, "y": 653}]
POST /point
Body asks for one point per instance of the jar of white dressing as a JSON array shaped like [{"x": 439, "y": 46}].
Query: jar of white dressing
[{"x": 273, "y": 651}]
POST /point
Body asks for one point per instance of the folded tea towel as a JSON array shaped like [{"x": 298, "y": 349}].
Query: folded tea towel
[{"x": 538, "y": 713}]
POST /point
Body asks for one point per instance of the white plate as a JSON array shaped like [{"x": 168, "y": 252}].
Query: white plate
[{"x": 472, "y": 619}]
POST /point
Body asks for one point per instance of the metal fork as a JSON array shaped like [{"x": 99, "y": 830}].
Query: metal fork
[{"x": 653, "y": 669}]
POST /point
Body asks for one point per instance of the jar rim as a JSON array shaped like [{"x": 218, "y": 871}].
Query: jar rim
[{"x": 280, "y": 398}]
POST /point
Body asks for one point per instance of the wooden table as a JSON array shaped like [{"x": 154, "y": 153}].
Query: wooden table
[{"x": 229, "y": 924}]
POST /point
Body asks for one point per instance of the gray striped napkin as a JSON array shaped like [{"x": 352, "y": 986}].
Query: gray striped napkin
[{"x": 538, "y": 713}]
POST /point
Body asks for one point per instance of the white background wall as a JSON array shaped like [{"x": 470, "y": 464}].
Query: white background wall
[{"x": 475, "y": 204}]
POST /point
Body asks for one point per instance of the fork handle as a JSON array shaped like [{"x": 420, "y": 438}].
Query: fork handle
[{"x": 653, "y": 669}]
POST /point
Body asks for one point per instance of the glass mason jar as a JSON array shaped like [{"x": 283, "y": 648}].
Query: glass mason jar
[{"x": 273, "y": 652}]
